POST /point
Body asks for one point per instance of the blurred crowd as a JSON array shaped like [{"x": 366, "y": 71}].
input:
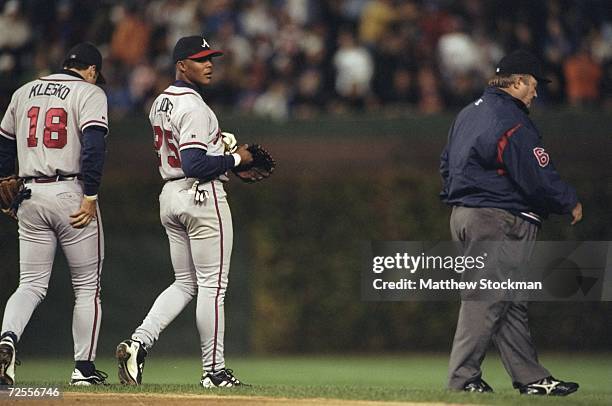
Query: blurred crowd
[{"x": 299, "y": 58}]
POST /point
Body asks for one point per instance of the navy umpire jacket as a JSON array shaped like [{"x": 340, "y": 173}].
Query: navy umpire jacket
[{"x": 494, "y": 158}]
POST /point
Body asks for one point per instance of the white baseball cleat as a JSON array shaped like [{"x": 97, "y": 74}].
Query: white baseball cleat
[{"x": 131, "y": 359}]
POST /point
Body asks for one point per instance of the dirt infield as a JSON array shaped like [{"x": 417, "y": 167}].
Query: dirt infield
[{"x": 132, "y": 399}]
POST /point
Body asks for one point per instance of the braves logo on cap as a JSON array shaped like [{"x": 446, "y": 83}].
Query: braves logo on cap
[{"x": 204, "y": 43}]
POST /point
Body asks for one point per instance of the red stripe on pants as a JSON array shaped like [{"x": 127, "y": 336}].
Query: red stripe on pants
[
  {"x": 95, "y": 324},
  {"x": 219, "y": 280}
]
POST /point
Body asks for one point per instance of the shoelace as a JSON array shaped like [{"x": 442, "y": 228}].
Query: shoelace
[
  {"x": 547, "y": 381},
  {"x": 101, "y": 374}
]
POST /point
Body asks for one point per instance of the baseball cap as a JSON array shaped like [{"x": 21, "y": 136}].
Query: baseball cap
[
  {"x": 521, "y": 61},
  {"x": 87, "y": 53},
  {"x": 193, "y": 47}
]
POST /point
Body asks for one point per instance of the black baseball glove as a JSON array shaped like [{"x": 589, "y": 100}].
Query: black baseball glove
[
  {"x": 261, "y": 168},
  {"x": 12, "y": 193}
]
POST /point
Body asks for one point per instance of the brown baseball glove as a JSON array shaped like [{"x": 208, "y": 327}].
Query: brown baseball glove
[
  {"x": 12, "y": 193},
  {"x": 261, "y": 168}
]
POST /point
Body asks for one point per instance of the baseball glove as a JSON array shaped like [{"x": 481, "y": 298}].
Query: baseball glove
[
  {"x": 12, "y": 193},
  {"x": 261, "y": 168}
]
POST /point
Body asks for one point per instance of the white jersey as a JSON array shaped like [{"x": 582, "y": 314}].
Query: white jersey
[
  {"x": 181, "y": 119},
  {"x": 46, "y": 117}
]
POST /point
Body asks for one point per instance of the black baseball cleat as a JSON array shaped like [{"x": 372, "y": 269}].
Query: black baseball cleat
[
  {"x": 549, "y": 386},
  {"x": 96, "y": 377},
  {"x": 221, "y": 379},
  {"x": 7, "y": 362},
  {"x": 479, "y": 386},
  {"x": 131, "y": 359}
]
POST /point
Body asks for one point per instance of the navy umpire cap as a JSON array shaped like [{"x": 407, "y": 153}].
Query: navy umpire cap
[
  {"x": 521, "y": 62},
  {"x": 87, "y": 53},
  {"x": 193, "y": 47}
]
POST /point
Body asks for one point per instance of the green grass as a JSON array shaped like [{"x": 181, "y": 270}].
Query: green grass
[{"x": 407, "y": 377}]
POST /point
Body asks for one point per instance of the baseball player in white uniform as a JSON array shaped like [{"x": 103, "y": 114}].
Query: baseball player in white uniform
[
  {"x": 194, "y": 211},
  {"x": 56, "y": 128}
]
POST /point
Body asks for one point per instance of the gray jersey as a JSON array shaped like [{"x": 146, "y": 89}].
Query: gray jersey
[
  {"x": 46, "y": 117},
  {"x": 181, "y": 119},
  {"x": 200, "y": 233}
]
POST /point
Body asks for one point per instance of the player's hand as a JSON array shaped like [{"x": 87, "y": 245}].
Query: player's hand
[
  {"x": 245, "y": 156},
  {"x": 87, "y": 212},
  {"x": 577, "y": 213},
  {"x": 229, "y": 142}
]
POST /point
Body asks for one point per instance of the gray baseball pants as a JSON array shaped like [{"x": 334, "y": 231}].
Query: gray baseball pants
[
  {"x": 44, "y": 223},
  {"x": 200, "y": 237},
  {"x": 503, "y": 322}
]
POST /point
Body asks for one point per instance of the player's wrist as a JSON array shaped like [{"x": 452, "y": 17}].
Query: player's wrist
[{"x": 237, "y": 159}]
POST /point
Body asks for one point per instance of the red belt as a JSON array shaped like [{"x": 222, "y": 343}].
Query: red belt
[{"x": 51, "y": 179}]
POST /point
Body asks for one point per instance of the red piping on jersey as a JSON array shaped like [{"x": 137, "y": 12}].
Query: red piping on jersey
[
  {"x": 96, "y": 312},
  {"x": 7, "y": 134},
  {"x": 180, "y": 94},
  {"x": 192, "y": 143},
  {"x": 62, "y": 80},
  {"x": 94, "y": 121},
  {"x": 214, "y": 357},
  {"x": 501, "y": 146}
]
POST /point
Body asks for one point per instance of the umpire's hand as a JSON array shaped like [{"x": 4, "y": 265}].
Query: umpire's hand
[{"x": 577, "y": 213}]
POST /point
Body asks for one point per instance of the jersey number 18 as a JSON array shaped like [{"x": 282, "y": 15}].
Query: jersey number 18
[{"x": 55, "y": 134}]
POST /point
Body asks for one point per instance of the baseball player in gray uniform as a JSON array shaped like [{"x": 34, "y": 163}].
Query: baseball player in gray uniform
[
  {"x": 56, "y": 128},
  {"x": 193, "y": 161}
]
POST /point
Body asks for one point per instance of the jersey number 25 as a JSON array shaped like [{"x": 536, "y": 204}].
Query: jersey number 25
[
  {"x": 161, "y": 135},
  {"x": 55, "y": 134}
]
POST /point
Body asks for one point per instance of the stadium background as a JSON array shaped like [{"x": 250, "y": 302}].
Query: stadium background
[{"x": 355, "y": 99}]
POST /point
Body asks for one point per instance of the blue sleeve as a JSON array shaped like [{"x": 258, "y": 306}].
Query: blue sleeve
[
  {"x": 196, "y": 164},
  {"x": 444, "y": 166},
  {"x": 530, "y": 167},
  {"x": 8, "y": 153},
  {"x": 444, "y": 173},
  {"x": 93, "y": 150}
]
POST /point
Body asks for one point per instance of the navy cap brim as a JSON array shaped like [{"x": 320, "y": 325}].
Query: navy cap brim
[{"x": 542, "y": 80}]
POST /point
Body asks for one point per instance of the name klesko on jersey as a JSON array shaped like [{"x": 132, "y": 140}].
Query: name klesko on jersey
[
  {"x": 50, "y": 89},
  {"x": 46, "y": 118}
]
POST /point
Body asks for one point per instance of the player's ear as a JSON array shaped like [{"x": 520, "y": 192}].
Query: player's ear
[
  {"x": 181, "y": 66},
  {"x": 90, "y": 73}
]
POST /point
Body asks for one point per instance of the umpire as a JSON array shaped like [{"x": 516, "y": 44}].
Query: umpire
[{"x": 501, "y": 184}]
